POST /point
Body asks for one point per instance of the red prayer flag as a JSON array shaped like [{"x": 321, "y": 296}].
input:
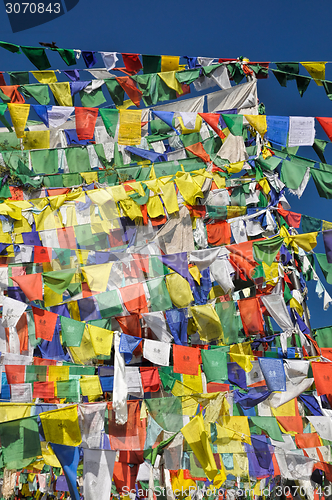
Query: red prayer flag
[
  {"x": 134, "y": 298},
  {"x": 150, "y": 378},
  {"x": 186, "y": 359},
  {"x": 292, "y": 219},
  {"x": 23, "y": 333},
  {"x": 251, "y": 316},
  {"x": 130, "y": 88},
  {"x": 45, "y": 322},
  {"x": 2, "y": 80},
  {"x": 198, "y": 150},
  {"x": 43, "y": 390},
  {"x": 219, "y": 233},
  {"x": 42, "y": 254},
  {"x": 130, "y": 325},
  {"x": 212, "y": 119},
  {"x": 12, "y": 92},
  {"x": 66, "y": 237},
  {"x": 132, "y": 62},
  {"x": 15, "y": 374},
  {"x": 31, "y": 285},
  {"x": 326, "y": 123},
  {"x": 322, "y": 373},
  {"x": 85, "y": 122},
  {"x": 307, "y": 440}
]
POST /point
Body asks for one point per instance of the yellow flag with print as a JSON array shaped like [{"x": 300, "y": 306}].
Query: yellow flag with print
[
  {"x": 36, "y": 139},
  {"x": 130, "y": 127},
  {"x": 196, "y": 436},
  {"x": 61, "y": 426},
  {"x": 170, "y": 63},
  {"x": 258, "y": 122},
  {"x": 101, "y": 340},
  {"x": 62, "y": 93},
  {"x": 97, "y": 276},
  {"x": 45, "y": 76},
  {"x": 19, "y": 114},
  {"x": 316, "y": 70}
]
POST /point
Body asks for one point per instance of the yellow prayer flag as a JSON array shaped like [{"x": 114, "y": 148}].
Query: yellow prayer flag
[
  {"x": 316, "y": 70},
  {"x": 294, "y": 304},
  {"x": 45, "y": 76},
  {"x": 185, "y": 130},
  {"x": 179, "y": 290},
  {"x": 101, "y": 339},
  {"x": 197, "y": 438},
  {"x": 169, "y": 78},
  {"x": 85, "y": 351},
  {"x": 13, "y": 411},
  {"x": 90, "y": 386},
  {"x": 61, "y": 426},
  {"x": 235, "y": 168},
  {"x": 239, "y": 425},
  {"x": 49, "y": 456},
  {"x": 126, "y": 104},
  {"x": 89, "y": 177},
  {"x": 62, "y": 93},
  {"x": 207, "y": 322},
  {"x": 242, "y": 360},
  {"x": 19, "y": 114},
  {"x": 195, "y": 273},
  {"x": 130, "y": 127},
  {"x": 265, "y": 185},
  {"x": 97, "y": 276},
  {"x": 285, "y": 410},
  {"x": 51, "y": 298},
  {"x": 36, "y": 139},
  {"x": 326, "y": 225},
  {"x": 170, "y": 63},
  {"x": 180, "y": 484},
  {"x": 58, "y": 373},
  {"x": 307, "y": 241},
  {"x": 258, "y": 122},
  {"x": 155, "y": 207},
  {"x": 169, "y": 197},
  {"x": 271, "y": 273}
]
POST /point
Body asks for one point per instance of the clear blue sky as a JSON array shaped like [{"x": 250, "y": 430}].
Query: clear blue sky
[{"x": 292, "y": 30}]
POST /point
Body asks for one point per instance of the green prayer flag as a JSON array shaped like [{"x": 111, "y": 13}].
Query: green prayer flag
[
  {"x": 19, "y": 77},
  {"x": 38, "y": 91},
  {"x": 37, "y": 56},
  {"x": 151, "y": 64},
  {"x": 140, "y": 200},
  {"x": 207, "y": 70},
  {"x": 325, "y": 267},
  {"x": 281, "y": 76},
  {"x": 20, "y": 442},
  {"x": 269, "y": 425},
  {"x": 92, "y": 99},
  {"x": 8, "y": 140},
  {"x": 323, "y": 182},
  {"x": 11, "y": 47},
  {"x": 78, "y": 160},
  {"x": 302, "y": 83},
  {"x": 323, "y": 336},
  {"x": 35, "y": 373},
  {"x": 68, "y": 55},
  {"x": 167, "y": 412},
  {"x": 310, "y": 224},
  {"x": 234, "y": 123},
  {"x": 287, "y": 294},
  {"x": 63, "y": 254},
  {"x": 293, "y": 171},
  {"x": 187, "y": 76},
  {"x": 45, "y": 161},
  {"x": 319, "y": 146},
  {"x": 58, "y": 281},
  {"x": 292, "y": 68},
  {"x": 13, "y": 160},
  {"x": 229, "y": 321},
  {"x": 109, "y": 304},
  {"x": 235, "y": 72},
  {"x": 3, "y": 109},
  {"x": 69, "y": 389},
  {"x": 168, "y": 377},
  {"x": 84, "y": 236},
  {"x": 72, "y": 331},
  {"x": 53, "y": 181},
  {"x": 115, "y": 90},
  {"x": 152, "y": 453},
  {"x": 328, "y": 88},
  {"x": 267, "y": 250},
  {"x": 159, "y": 296},
  {"x": 216, "y": 212},
  {"x": 215, "y": 365},
  {"x": 110, "y": 119},
  {"x": 158, "y": 126}
]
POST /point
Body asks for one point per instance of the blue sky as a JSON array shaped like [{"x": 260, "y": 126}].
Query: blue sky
[{"x": 291, "y": 30}]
